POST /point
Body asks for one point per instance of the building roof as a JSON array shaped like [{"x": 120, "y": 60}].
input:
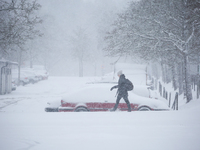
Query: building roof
[{"x": 7, "y": 61}]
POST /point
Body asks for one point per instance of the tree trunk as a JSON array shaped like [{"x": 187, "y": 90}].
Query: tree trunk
[
  {"x": 168, "y": 74},
  {"x": 174, "y": 77},
  {"x": 31, "y": 59},
  {"x": 163, "y": 73},
  {"x": 188, "y": 90},
  {"x": 180, "y": 78},
  {"x": 19, "y": 66},
  {"x": 80, "y": 68}
]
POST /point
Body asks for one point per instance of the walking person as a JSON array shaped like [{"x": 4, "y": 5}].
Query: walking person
[{"x": 123, "y": 88}]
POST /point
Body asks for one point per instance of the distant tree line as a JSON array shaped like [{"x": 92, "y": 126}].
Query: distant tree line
[{"x": 163, "y": 31}]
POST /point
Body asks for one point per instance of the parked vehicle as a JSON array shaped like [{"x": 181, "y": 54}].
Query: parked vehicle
[
  {"x": 23, "y": 78},
  {"x": 98, "y": 97},
  {"x": 33, "y": 78},
  {"x": 41, "y": 72}
]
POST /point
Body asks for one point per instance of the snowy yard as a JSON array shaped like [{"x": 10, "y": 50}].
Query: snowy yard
[{"x": 26, "y": 126}]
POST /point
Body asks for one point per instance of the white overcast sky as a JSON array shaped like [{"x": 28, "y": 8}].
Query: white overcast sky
[
  {"x": 62, "y": 17},
  {"x": 70, "y": 13}
]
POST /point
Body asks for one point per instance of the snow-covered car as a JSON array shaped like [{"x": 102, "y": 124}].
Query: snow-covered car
[
  {"x": 23, "y": 78},
  {"x": 41, "y": 72},
  {"x": 98, "y": 97},
  {"x": 32, "y": 76}
]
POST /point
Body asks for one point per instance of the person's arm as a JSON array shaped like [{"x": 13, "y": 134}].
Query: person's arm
[{"x": 114, "y": 87}]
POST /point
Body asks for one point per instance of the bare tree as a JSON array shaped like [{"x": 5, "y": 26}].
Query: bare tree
[
  {"x": 162, "y": 31},
  {"x": 18, "y": 22},
  {"x": 80, "y": 47}
]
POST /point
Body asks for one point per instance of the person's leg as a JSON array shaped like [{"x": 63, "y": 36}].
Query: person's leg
[
  {"x": 117, "y": 102},
  {"x": 125, "y": 97}
]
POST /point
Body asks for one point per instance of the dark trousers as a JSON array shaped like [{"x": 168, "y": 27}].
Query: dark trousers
[{"x": 125, "y": 97}]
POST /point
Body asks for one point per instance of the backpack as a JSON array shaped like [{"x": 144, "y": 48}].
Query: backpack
[{"x": 129, "y": 85}]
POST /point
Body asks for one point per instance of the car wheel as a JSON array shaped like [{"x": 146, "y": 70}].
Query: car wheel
[
  {"x": 144, "y": 108},
  {"x": 81, "y": 109},
  {"x": 49, "y": 109}
]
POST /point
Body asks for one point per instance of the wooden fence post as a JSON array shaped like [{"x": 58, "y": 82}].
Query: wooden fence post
[
  {"x": 176, "y": 100},
  {"x": 163, "y": 92},
  {"x": 169, "y": 99},
  {"x": 175, "y": 104}
]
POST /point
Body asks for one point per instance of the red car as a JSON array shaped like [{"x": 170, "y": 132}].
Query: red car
[
  {"x": 98, "y": 97},
  {"x": 95, "y": 106}
]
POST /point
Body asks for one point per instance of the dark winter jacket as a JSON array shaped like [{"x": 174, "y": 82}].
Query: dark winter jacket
[{"x": 122, "y": 90}]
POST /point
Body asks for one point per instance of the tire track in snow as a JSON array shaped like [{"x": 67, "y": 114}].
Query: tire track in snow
[{"x": 10, "y": 101}]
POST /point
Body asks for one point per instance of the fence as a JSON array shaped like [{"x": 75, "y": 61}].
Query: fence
[
  {"x": 163, "y": 92},
  {"x": 175, "y": 104},
  {"x": 195, "y": 80}
]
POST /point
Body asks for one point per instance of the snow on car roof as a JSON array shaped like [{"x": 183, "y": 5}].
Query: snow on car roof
[
  {"x": 102, "y": 93},
  {"x": 92, "y": 93}
]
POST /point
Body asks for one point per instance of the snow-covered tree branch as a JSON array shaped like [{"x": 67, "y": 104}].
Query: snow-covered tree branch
[{"x": 156, "y": 31}]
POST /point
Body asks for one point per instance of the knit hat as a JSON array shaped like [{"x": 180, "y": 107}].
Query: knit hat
[{"x": 119, "y": 73}]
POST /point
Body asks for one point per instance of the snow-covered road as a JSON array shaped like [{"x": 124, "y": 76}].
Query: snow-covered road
[
  {"x": 33, "y": 97},
  {"x": 24, "y": 125}
]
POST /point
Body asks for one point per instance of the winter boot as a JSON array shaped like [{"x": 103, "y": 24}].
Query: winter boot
[
  {"x": 115, "y": 107},
  {"x": 129, "y": 107}
]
